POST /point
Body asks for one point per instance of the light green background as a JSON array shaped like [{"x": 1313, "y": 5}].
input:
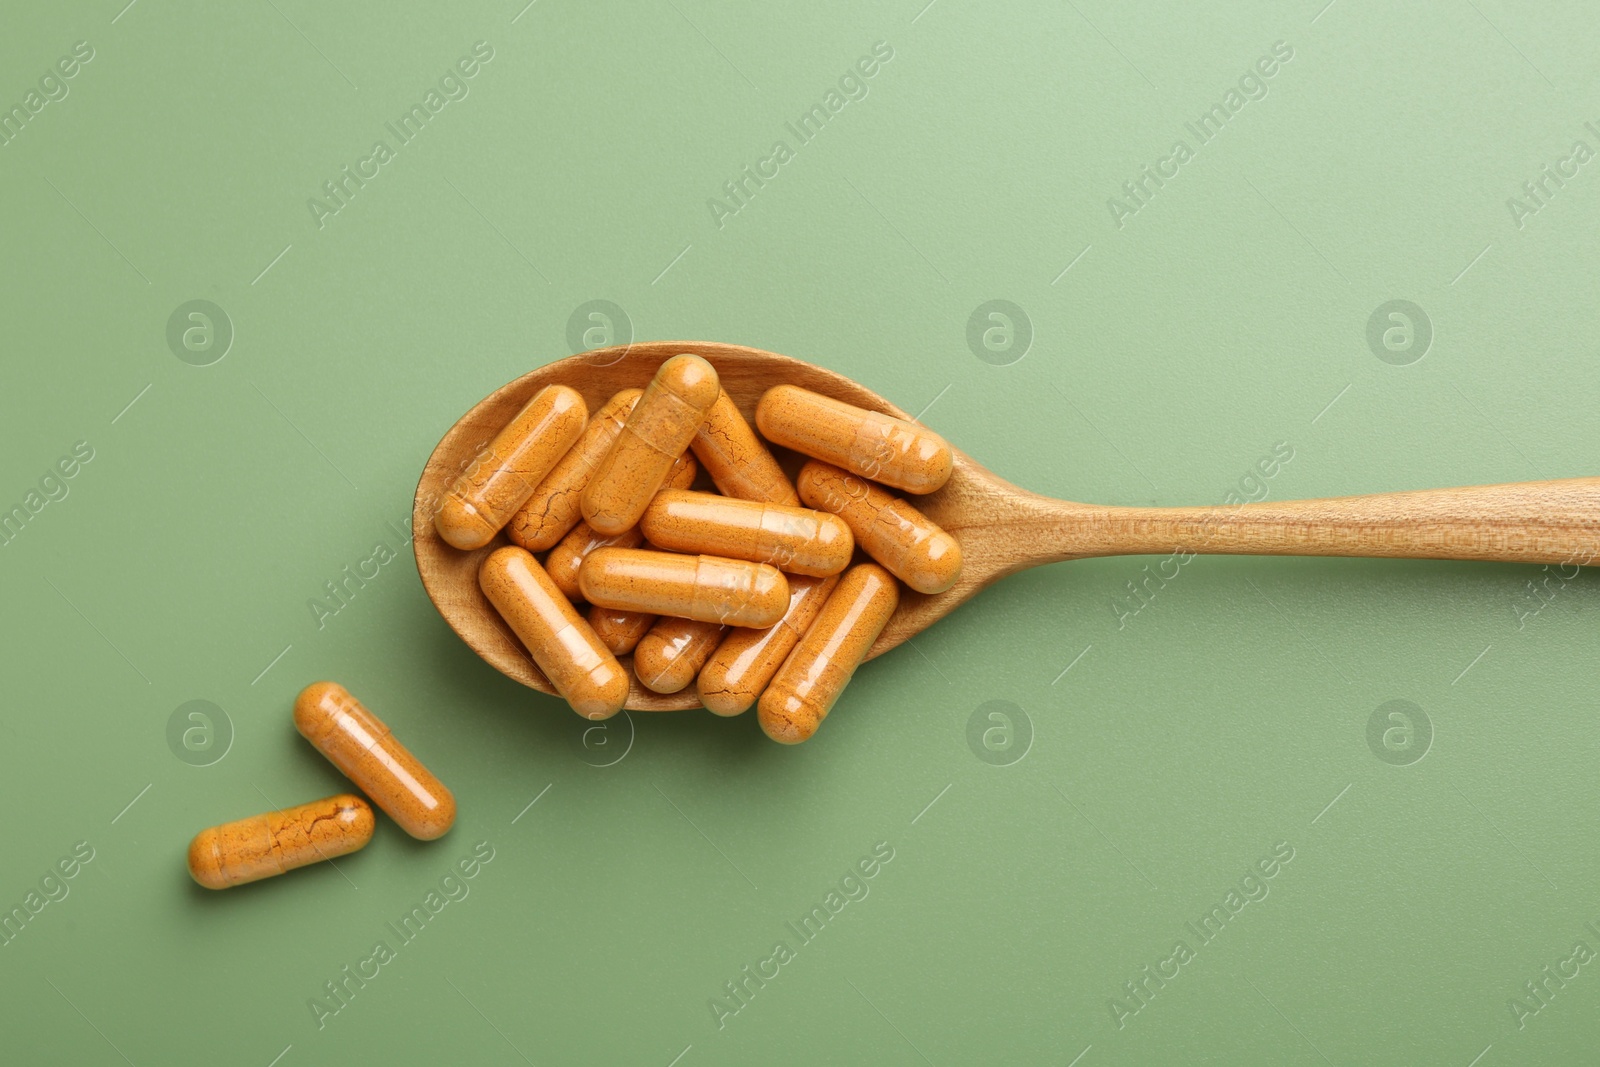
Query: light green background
[{"x": 1229, "y": 314}]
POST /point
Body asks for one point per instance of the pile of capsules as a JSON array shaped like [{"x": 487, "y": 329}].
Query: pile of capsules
[
  {"x": 747, "y": 595},
  {"x": 360, "y": 745}
]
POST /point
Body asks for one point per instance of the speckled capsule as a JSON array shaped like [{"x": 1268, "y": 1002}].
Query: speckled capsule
[
  {"x": 262, "y": 846},
  {"x": 564, "y": 560},
  {"x": 620, "y": 631},
  {"x": 553, "y": 509},
  {"x": 738, "y": 463},
  {"x": 358, "y": 743},
  {"x": 672, "y": 653},
  {"x": 820, "y": 666},
  {"x": 885, "y": 449},
  {"x": 793, "y": 539},
  {"x": 740, "y": 668},
  {"x": 560, "y": 641},
  {"x": 658, "y": 431},
  {"x": 733, "y": 592},
  {"x": 504, "y": 474},
  {"x": 888, "y": 529}
]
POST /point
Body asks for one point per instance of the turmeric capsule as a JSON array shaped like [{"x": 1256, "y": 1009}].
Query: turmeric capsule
[
  {"x": 505, "y": 474},
  {"x": 745, "y": 662},
  {"x": 673, "y": 652},
  {"x": 581, "y": 668},
  {"x": 820, "y": 666},
  {"x": 359, "y": 744},
  {"x": 658, "y": 431},
  {"x": 265, "y": 845},
  {"x": 885, "y": 449},
  {"x": 891, "y": 531},
  {"x": 797, "y": 540},
  {"x": 732, "y": 592},
  {"x": 620, "y": 631},
  {"x": 739, "y": 464},
  {"x": 565, "y": 559},
  {"x": 553, "y": 508}
]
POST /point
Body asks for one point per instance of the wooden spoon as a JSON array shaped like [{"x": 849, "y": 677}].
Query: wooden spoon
[{"x": 1003, "y": 529}]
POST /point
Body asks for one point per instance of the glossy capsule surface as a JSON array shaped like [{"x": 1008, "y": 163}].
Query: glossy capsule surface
[
  {"x": 560, "y": 641},
  {"x": 620, "y": 631},
  {"x": 658, "y": 431},
  {"x": 873, "y": 445},
  {"x": 740, "y": 668},
  {"x": 503, "y": 476},
  {"x": 793, "y": 539},
  {"x": 820, "y": 666},
  {"x": 564, "y": 560},
  {"x": 269, "y": 844},
  {"x": 360, "y": 745},
  {"x": 732, "y": 592},
  {"x": 888, "y": 529},
  {"x": 672, "y": 653},
  {"x": 739, "y": 464},
  {"x": 553, "y": 509}
]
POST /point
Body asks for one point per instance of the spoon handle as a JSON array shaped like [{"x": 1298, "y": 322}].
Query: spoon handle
[{"x": 1525, "y": 522}]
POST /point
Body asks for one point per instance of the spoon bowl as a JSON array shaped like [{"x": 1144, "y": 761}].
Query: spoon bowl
[
  {"x": 1001, "y": 528},
  {"x": 450, "y": 575}
]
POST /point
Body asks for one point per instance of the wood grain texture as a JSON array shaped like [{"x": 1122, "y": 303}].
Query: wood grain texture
[{"x": 1003, "y": 529}]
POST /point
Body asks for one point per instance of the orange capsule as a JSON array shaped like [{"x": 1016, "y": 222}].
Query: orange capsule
[
  {"x": 740, "y": 668},
  {"x": 658, "y": 431},
  {"x": 796, "y": 540},
  {"x": 891, "y": 531},
  {"x": 876, "y": 446},
  {"x": 620, "y": 631},
  {"x": 553, "y": 509},
  {"x": 359, "y": 744},
  {"x": 739, "y": 464},
  {"x": 733, "y": 592},
  {"x": 564, "y": 560},
  {"x": 820, "y": 666},
  {"x": 563, "y": 645},
  {"x": 673, "y": 652},
  {"x": 269, "y": 844},
  {"x": 505, "y": 474}
]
